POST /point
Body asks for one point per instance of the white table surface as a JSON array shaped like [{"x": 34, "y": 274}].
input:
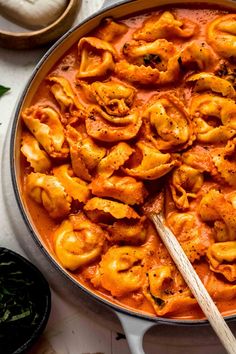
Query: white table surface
[{"x": 76, "y": 328}]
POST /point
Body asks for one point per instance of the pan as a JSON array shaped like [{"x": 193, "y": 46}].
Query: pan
[{"x": 134, "y": 324}]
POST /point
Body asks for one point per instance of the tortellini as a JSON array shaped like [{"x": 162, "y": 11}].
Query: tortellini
[
  {"x": 74, "y": 186},
  {"x": 224, "y": 160},
  {"x": 121, "y": 270},
  {"x": 114, "y": 97},
  {"x": 154, "y": 164},
  {"x": 84, "y": 152},
  {"x": 48, "y": 191},
  {"x": 96, "y": 57},
  {"x": 207, "y": 81},
  {"x": 222, "y": 258},
  {"x": 214, "y": 207},
  {"x": 98, "y": 208},
  {"x": 64, "y": 94},
  {"x": 78, "y": 241},
  {"x": 45, "y": 124},
  {"x": 116, "y": 158},
  {"x": 223, "y": 110},
  {"x": 126, "y": 189},
  {"x": 107, "y": 128},
  {"x": 129, "y": 231},
  {"x": 111, "y": 30},
  {"x": 168, "y": 120},
  {"x": 194, "y": 236},
  {"x": 185, "y": 182},
  {"x": 167, "y": 291},
  {"x": 38, "y": 158},
  {"x": 221, "y": 35},
  {"x": 165, "y": 26}
]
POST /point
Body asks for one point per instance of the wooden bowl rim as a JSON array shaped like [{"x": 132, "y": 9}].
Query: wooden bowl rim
[{"x": 30, "y": 34}]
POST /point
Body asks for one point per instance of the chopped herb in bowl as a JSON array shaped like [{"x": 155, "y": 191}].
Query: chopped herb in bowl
[{"x": 25, "y": 303}]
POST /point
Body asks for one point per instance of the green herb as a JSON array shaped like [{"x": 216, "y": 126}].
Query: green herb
[
  {"x": 20, "y": 304},
  {"x": 3, "y": 90},
  {"x": 151, "y": 59},
  {"x": 158, "y": 300}
]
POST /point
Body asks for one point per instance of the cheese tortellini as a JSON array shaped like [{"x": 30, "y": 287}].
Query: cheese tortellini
[
  {"x": 222, "y": 258},
  {"x": 208, "y": 111},
  {"x": 216, "y": 208},
  {"x": 221, "y": 35},
  {"x": 45, "y": 124},
  {"x": 78, "y": 241},
  {"x": 38, "y": 158},
  {"x": 186, "y": 181},
  {"x": 48, "y": 191},
  {"x": 96, "y": 57},
  {"x": 166, "y": 291},
  {"x": 169, "y": 121},
  {"x": 121, "y": 270},
  {"x": 165, "y": 26}
]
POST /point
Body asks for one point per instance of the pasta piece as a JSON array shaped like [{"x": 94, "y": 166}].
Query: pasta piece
[
  {"x": 214, "y": 207},
  {"x": 64, "y": 94},
  {"x": 116, "y": 158},
  {"x": 121, "y": 270},
  {"x": 74, "y": 186},
  {"x": 124, "y": 189},
  {"x": 155, "y": 54},
  {"x": 37, "y": 158},
  {"x": 185, "y": 182},
  {"x": 170, "y": 122},
  {"x": 96, "y": 57},
  {"x": 167, "y": 291},
  {"x": 208, "y": 81},
  {"x": 78, "y": 241},
  {"x": 114, "y": 97},
  {"x": 137, "y": 74},
  {"x": 108, "y": 208},
  {"x": 154, "y": 163},
  {"x": 200, "y": 159},
  {"x": 195, "y": 56},
  {"x": 109, "y": 30},
  {"x": 221, "y": 35},
  {"x": 222, "y": 258},
  {"x": 44, "y": 123},
  {"x": 219, "y": 289},
  {"x": 194, "y": 236},
  {"x": 129, "y": 232},
  {"x": 85, "y": 154},
  {"x": 48, "y": 191},
  {"x": 165, "y": 26},
  {"x": 222, "y": 109},
  {"x": 104, "y": 127},
  {"x": 224, "y": 160}
]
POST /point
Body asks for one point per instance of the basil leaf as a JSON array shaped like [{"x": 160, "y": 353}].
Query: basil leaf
[{"x": 3, "y": 90}]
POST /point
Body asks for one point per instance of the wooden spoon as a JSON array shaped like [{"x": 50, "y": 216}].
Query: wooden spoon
[{"x": 154, "y": 210}]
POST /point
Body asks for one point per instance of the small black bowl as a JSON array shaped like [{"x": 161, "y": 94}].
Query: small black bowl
[{"x": 25, "y": 303}]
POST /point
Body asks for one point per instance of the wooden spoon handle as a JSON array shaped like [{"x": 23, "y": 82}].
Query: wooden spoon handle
[{"x": 195, "y": 285}]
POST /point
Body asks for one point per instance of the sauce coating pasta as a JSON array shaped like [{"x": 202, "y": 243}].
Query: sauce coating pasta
[{"x": 140, "y": 104}]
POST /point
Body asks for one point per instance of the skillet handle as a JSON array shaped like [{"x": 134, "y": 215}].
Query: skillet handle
[{"x": 134, "y": 329}]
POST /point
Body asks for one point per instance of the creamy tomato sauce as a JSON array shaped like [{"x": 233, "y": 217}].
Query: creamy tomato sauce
[{"x": 190, "y": 152}]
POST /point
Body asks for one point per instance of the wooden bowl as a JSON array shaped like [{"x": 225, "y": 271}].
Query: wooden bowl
[{"x": 32, "y": 39}]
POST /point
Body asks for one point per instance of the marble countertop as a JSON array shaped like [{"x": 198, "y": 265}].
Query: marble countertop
[{"x": 76, "y": 325}]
